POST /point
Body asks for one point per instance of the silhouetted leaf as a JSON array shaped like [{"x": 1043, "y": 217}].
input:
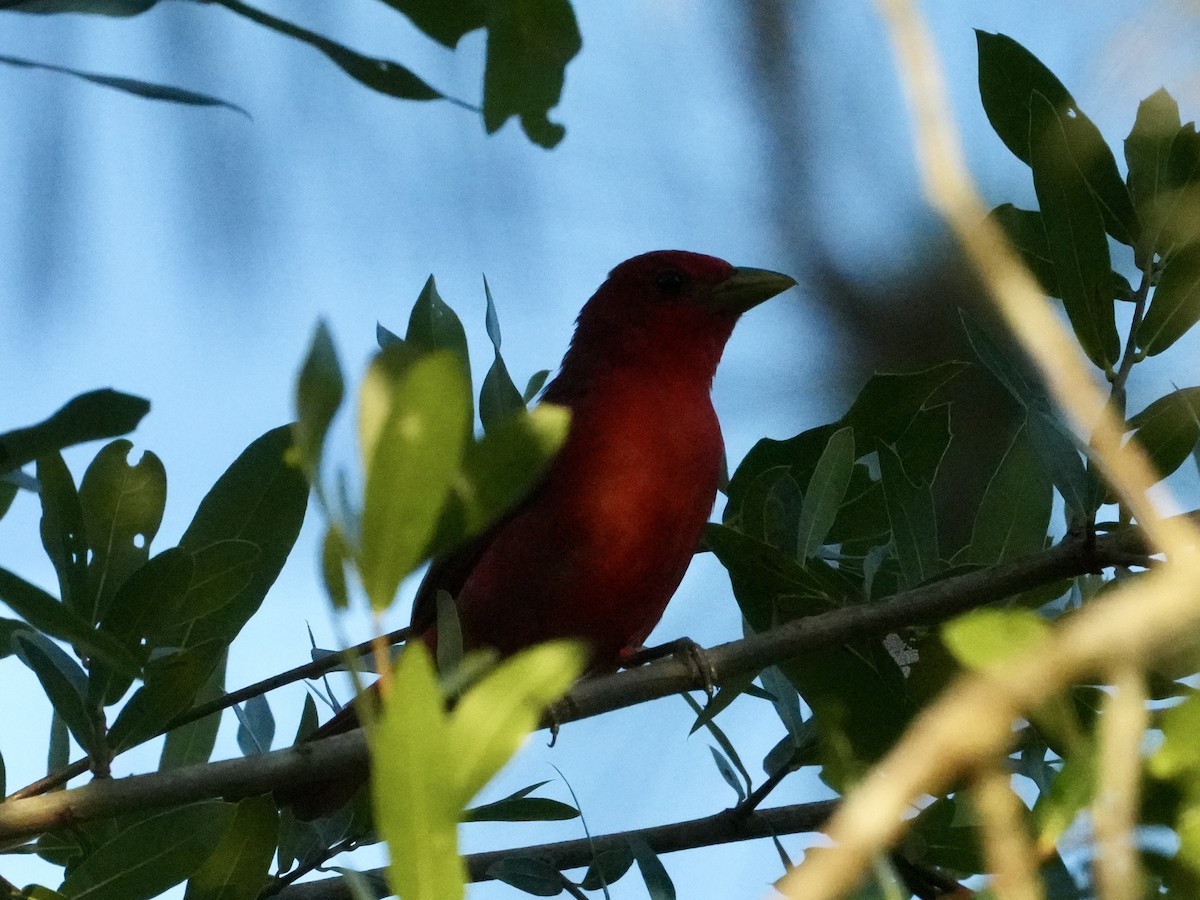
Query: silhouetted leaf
[
  {"x": 319, "y": 392},
  {"x": 1175, "y": 307},
  {"x": 63, "y": 536},
  {"x": 1147, "y": 154},
  {"x": 96, "y": 7},
  {"x": 498, "y": 396},
  {"x": 65, "y": 685},
  {"x": 825, "y": 493},
  {"x": 256, "y": 726},
  {"x": 658, "y": 882},
  {"x": 1075, "y": 232},
  {"x": 1169, "y": 429},
  {"x": 529, "y": 45},
  {"x": 914, "y": 524},
  {"x": 122, "y": 509},
  {"x": 608, "y": 867},
  {"x": 1027, "y": 233},
  {"x": 88, "y": 417},
  {"x": 171, "y": 685},
  {"x": 146, "y": 89},
  {"x": 520, "y": 807},
  {"x": 529, "y": 874}
]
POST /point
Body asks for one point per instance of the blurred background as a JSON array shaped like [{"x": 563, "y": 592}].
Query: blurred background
[{"x": 186, "y": 254}]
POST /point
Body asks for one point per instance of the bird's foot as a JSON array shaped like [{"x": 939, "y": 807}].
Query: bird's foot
[{"x": 688, "y": 650}]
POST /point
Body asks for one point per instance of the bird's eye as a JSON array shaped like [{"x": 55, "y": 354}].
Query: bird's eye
[{"x": 669, "y": 283}]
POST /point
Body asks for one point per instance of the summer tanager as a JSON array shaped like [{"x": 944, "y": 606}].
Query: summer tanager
[{"x": 599, "y": 546}]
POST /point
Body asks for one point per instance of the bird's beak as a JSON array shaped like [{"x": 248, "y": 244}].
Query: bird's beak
[{"x": 746, "y": 288}]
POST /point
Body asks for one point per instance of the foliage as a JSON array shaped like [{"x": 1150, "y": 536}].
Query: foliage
[
  {"x": 843, "y": 516},
  {"x": 529, "y": 43}
]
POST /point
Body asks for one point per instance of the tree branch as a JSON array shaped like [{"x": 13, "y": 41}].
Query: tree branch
[
  {"x": 346, "y": 755},
  {"x": 722, "y": 828}
]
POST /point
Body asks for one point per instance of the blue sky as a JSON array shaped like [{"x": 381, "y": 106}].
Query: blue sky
[{"x": 186, "y": 255}]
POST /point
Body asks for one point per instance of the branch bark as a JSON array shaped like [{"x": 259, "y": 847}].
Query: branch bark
[
  {"x": 722, "y": 828},
  {"x": 346, "y": 755}
]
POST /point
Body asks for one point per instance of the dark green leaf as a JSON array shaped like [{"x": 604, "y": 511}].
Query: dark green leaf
[
  {"x": 260, "y": 499},
  {"x": 947, "y": 837},
  {"x": 658, "y": 882},
  {"x": 308, "y": 719},
  {"x": 414, "y": 417},
  {"x": 914, "y": 524},
  {"x": 65, "y": 685},
  {"x": 8, "y": 493},
  {"x": 786, "y": 703},
  {"x": 220, "y": 572},
  {"x": 1147, "y": 154},
  {"x": 1009, "y": 79},
  {"x": 122, "y": 509},
  {"x": 146, "y": 89},
  {"x": 1175, "y": 307},
  {"x": 146, "y": 858},
  {"x": 889, "y": 402},
  {"x": 522, "y": 809},
  {"x": 194, "y": 743},
  {"x": 335, "y": 552},
  {"x": 730, "y": 752},
  {"x": 172, "y": 683},
  {"x": 608, "y": 867},
  {"x": 727, "y": 773},
  {"x": 382, "y": 75},
  {"x": 529, "y": 45},
  {"x": 256, "y": 726},
  {"x": 825, "y": 492},
  {"x": 46, "y": 614},
  {"x": 536, "y": 382},
  {"x": 148, "y": 599},
  {"x": 8, "y": 628},
  {"x": 96, "y": 7},
  {"x": 62, "y": 530},
  {"x": 433, "y": 325},
  {"x": 1015, "y": 512},
  {"x": 237, "y": 869},
  {"x": 498, "y": 396},
  {"x": 446, "y": 23},
  {"x": 319, "y": 392},
  {"x": 88, "y": 417},
  {"x": 1075, "y": 231},
  {"x": 529, "y": 874},
  {"x": 1027, "y": 233},
  {"x": 1169, "y": 429},
  {"x": 384, "y": 337}
]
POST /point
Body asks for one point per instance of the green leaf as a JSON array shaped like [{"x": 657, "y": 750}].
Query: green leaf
[
  {"x": 260, "y": 499},
  {"x": 658, "y": 882},
  {"x": 607, "y": 867},
  {"x": 148, "y": 598},
  {"x": 889, "y": 402},
  {"x": 1075, "y": 231},
  {"x": 1010, "y": 77},
  {"x": 151, "y": 855},
  {"x": 88, "y": 417},
  {"x": 382, "y": 75},
  {"x": 319, "y": 392},
  {"x": 985, "y": 638},
  {"x": 1169, "y": 429},
  {"x": 1147, "y": 155},
  {"x": 1070, "y": 792},
  {"x": 1015, "y": 512},
  {"x": 8, "y": 493},
  {"x": 65, "y": 685},
  {"x": 122, "y": 509},
  {"x": 256, "y": 726},
  {"x": 59, "y": 752},
  {"x": 172, "y": 683},
  {"x": 529, "y": 45},
  {"x": 147, "y": 90},
  {"x": 1026, "y": 231},
  {"x": 825, "y": 493},
  {"x": 1175, "y": 307},
  {"x": 495, "y": 716},
  {"x": 498, "y": 396},
  {"x": 413, "y": 420},
  {"x": 1179, "y": 754},
  {"x": 62, "y": 530},
  {"x": 1175, "y": 211},
  {"x": 334, "y": 554},
  {"x": 446, "y": 23},
  {"x": 9, "y": 628},
  {"x": 413, "y": 783},
  {"x": 500, "y": 470},
  {"x": 529, "y": 874},
  {"x": 913, "y": 521},
  {"x": 518, "y": 807},
  {"x": 536, "y": 382},
  {"x": 238, "y": 866},
  {"x": 46, "y": 614},
  {"x": 194, "y": 743},
  {"x": 433, "y": 325}
]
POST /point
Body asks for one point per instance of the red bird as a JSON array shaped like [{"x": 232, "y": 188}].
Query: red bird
[{"x": 598, "y": 548}]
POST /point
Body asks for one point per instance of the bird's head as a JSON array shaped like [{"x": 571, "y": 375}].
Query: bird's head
[{"x": 668, "y": 310}]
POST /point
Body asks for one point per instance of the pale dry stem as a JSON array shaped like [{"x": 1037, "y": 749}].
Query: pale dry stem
[{"x": 1007, "y": 847}]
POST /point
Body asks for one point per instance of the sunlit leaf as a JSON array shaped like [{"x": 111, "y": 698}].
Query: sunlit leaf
[{"x": 984, "y": 638}]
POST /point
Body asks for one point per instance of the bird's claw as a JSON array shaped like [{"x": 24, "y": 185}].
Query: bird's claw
[{"x": 692, "y": 654}]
